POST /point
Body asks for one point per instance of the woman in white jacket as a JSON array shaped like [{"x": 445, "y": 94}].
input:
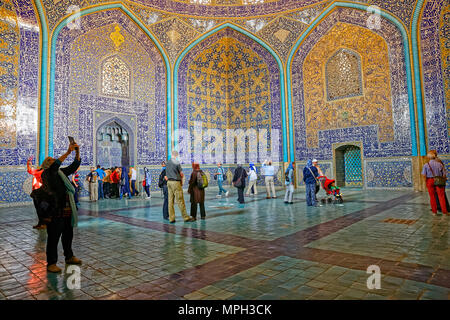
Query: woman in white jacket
[{"x": 253, "y": 177}]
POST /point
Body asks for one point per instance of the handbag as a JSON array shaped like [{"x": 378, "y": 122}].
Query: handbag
[
  {"x": 317, "y": 181},
  {"x": 439, "y": 181},
  {"x": 238, "y": 182}
]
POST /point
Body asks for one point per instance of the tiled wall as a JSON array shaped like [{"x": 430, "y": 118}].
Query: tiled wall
[{"x": 80, "y": 109}]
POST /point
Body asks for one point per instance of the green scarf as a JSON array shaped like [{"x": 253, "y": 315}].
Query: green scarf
[{"x": 70, "y": 191}]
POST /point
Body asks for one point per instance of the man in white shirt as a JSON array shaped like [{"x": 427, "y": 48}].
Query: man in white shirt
[
  {"x": 133, "y": 176},
  {"x": 269, "y": 172}
]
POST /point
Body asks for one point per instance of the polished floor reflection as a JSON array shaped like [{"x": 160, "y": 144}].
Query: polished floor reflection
[{"x": 264, "y": 249}]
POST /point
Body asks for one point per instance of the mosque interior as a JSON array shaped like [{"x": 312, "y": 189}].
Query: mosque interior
[{"x": 360, "y": 85}]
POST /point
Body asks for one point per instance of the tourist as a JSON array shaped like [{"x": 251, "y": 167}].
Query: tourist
[
  {"x": 124, "y": 184},
  {"x": 100, "y": 176},
  {"x": 289, "y": 182},
  {"x": 253, "y": 178},
  {"x": 93, "y": 186},
  {"x": 162, "y": 184},
  {"x": 36, "y": 183},
  {"x": 310, "y": 175},
  {"x": 239, "y": 182},
  {"x": 76, "y": 185},
  {"x": 221, "y": 177},
  {"x": 174, "y": 177},
  {"x": 115, "y": 182},
  {"x": 63, "y": 214},
  {"x": 269, "y": 172},
  {"x": 436, "y": 196},
  {"x": 435, "y": 177},
  {"x": 321, "y": 176},
  {"x": 133, "y": 177},
  {"x": 147, "y": 182},
  {"x": 197, "y": 193},
  {"x": 107, "y": 184}
]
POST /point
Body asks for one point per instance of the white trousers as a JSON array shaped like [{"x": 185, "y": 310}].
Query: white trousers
[
  {"x": 270, "y": 185},
  {"x": 250, "y": 185}
]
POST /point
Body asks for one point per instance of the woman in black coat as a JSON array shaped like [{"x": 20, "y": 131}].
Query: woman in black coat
[
  {"x": 60, "y": 213},
  {"x": 197, "y": 194},
  {"x": 239, "y": 182}
]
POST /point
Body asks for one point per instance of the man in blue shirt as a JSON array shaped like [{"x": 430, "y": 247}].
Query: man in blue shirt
[
  {"x": 100, "y": 176},
  {"x": 310, "y": 175},
  {"x": 269, "y": 172},
  {"x": 220, "y": 174}
]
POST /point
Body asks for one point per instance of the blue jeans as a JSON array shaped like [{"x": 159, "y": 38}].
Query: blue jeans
[
  {"x": 100, "y": 190},
  {"x": 311, "y": 194},
  {"x": 133, "y": 188},
  {"x": 123, "y": 190},
  {"x": 221, "y": 189},
  {"x": 166, "y": 203}
]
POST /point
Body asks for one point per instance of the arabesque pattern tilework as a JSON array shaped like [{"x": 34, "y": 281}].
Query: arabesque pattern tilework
[
  {"x": 373, "y": 107},
  {"x": 166, "y": 16},
  {"x": 18, "y": 83},
  {"x": 230, "y": 108},
  {"x": 433, "y": 84},
  {"x": 9, "y": 74},
  {"x": 397, "y": 143},
  {"x": 78, "y": 81}
]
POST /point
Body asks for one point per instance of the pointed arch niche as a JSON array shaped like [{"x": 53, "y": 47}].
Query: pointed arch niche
[
  {"x": 229, "y": 81},
  {"x": 95, "y": 76}
]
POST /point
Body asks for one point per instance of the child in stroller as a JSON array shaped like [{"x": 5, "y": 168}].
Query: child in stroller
[{"x": 333, "y": 193}]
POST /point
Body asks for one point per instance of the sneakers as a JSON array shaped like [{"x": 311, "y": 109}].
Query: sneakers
[
  {"x": 218, "y": 196},
  {"x": 190, "y": 219},
  {"x": 73, "y": 260},
  {"x": 227, "y": 193},
  {"x": 53, "y": 268}
]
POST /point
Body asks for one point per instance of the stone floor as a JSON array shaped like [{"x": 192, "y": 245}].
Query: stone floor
[{"x": 263, "y": 249}]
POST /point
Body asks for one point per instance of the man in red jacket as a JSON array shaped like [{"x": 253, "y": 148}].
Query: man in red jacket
[
  {"x": 115, "y": 179},
  {"x": 36, "y": 184}
]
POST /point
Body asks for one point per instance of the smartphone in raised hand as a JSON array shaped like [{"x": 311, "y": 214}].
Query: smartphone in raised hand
[{"x": 72, "y": 141}]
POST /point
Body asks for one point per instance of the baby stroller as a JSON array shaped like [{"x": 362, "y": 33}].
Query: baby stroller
[{"x": 333, "y": 193}]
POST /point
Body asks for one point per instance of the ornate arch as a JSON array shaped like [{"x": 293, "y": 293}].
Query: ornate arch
[
  {"x": 48, "y": 81},
  {"x": 398, "y": 24},
  {"x": 258, "y": 41},
  {"x": 401, "y": 145}
]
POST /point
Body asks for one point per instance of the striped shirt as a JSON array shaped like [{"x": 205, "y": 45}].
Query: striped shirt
[{"x": 433, "y": 167}]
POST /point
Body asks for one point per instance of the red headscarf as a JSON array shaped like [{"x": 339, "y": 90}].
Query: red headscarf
[{"x": 195, "y": 166}]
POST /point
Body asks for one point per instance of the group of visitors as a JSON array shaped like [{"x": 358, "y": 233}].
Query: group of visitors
[
  {"x": 110, "y": 183},
  {"x": 55, "y": 195}
]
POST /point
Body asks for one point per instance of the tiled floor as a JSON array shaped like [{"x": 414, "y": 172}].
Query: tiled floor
[{"x": 261, "y": 250}]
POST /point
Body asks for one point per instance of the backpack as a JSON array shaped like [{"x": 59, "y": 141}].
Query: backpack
[
  {"x": 286, "y": 176},
  {"x": 202, "y": 180},
  {"x": 162, "y": 181}
]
